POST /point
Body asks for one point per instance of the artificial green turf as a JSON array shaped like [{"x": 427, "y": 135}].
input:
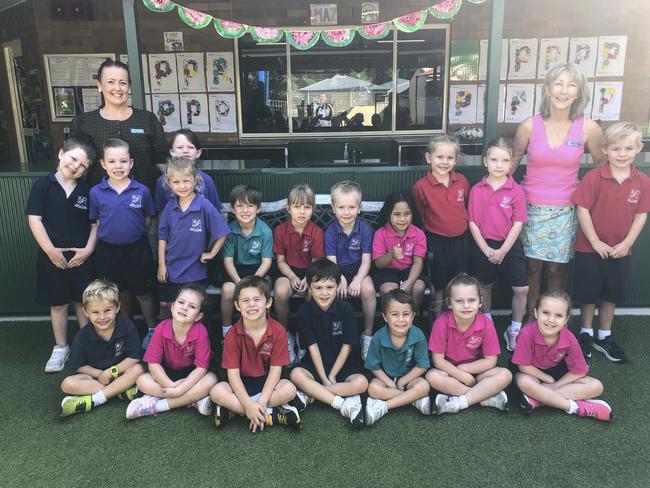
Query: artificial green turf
[{"x": 478, "y": 447}]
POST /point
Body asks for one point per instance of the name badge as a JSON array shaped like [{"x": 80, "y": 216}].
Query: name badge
[
  {"x": 137, "y": 131},
  {"x": 574, "y": 143}
]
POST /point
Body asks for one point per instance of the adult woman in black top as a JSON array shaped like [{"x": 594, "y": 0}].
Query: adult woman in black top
[{"x": 115, "y": 119}]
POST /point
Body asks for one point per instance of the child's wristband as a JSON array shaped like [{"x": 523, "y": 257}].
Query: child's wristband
[{"x": 114, "y": 372}]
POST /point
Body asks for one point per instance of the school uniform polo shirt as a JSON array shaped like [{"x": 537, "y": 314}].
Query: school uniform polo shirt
[
  {"x": 348, "y": 249},
  {"x": 89, "y": 349},
  {"x": 204, "y": 185},
  {"x": 298, "y": 249},
  {"x": 397, "y": 361},
  {"x": 478, "y": 341},
  {"x": 121, "y": 215},
  {"x": 188, "y": 234},
  {"x": 532, "y": 350},
  {"x": 194, "y": 351},
  {"x": 329, "y": 329},
  {"x": 240, "y": 351},
  {"x": 442, "y": 207},
  {"x": 65, "y": 218},
  {"x": 413, "y": 243},
  {"x": 494, "y": 211},
  {"x": 612, "y": 205},
  {"x": 249, "y": 250}
]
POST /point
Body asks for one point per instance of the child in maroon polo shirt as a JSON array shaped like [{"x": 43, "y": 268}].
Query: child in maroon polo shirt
[
  {"x": 254, "y": 352},
  {"x": 613, "y": 201}
]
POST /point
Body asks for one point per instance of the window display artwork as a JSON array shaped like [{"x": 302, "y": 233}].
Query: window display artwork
[
  {"x": 483, "y": 55},
  {"x": 583, "y": 52},
  {"x": 162, "y": 73},
  {"x": 551, "y": 53},
  {"x": 611, "y": 55},
  {"x": 220, "y": 71},
  {"x": 194, "y": 112},
  {"x": 519, "y": 102},
  {"x": 607, "y": 100},
  {"x": 480, "y": 111},
  {"x": 167, "y": 108},
  {"x": 191, "y": 72},
  {"x": 463, "y": 104},
  {"x": 223, "y": 113},
  {"x": 523, "y": 59}
]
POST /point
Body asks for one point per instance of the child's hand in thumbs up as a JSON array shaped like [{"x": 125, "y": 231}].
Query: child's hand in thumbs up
[{"x": 397, "y": 252}]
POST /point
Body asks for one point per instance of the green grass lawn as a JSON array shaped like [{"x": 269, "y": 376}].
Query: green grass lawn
[{"x": 475, "y": 448}]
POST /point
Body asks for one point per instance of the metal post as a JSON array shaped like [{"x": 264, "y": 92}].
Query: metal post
[
  {"x": 493, "y": 71},
  {"x": 133, "y": 51}
]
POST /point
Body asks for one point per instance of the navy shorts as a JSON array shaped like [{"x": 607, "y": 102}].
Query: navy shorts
[
  {"x": 513, "y": 266},
  {"x": 391, "y": 275},
  {"x": 129, "y": 266},
  {"x": 243, "y": 270},
  {"x": 254, "y": 385},
  {"x": 596, "y": 279},
  {"x": 556, "y": 372},
  {"x": 350, "y": 271},
  {"x": 167, "y": 292},
  {"x": 347, "y": 370},
  {"x": 55, "y": 286},
  {"x": 450, "y": 257}
]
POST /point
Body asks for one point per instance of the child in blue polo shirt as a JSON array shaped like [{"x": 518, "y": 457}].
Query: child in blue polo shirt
[
  {"x": 123, "y": 208},
  {"x": 105, "y": 355},
  {"x": 191, "y": 233},
  {"x": 248, "y": 249},
  {"x": 57, "y": 214},
  {"x": 398, "y": 358},
  {"x": 328, "y": 329},
  {"x": 348, "y": 243}
]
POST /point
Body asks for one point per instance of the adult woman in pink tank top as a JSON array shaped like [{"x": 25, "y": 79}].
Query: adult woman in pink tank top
[{"x": 555, "y": 140}]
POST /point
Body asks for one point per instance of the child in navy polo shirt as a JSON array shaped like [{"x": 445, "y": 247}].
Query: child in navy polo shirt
[
  {"x": 248, "y": 249},
  {"x": 441, "y": 199},
  {"x": 551, "y": 370},
  {"x": 398, "y": 359},
  {"x": 57, "y": 214},
  {"x": 328, "y": 329},
  {"x": 178, "y": 357},
  {"x": 254, "y": 352},
  {"x": 123, "y": 209},
  {"x": 497, "y": 212},
  {"x": 105, "y": 355},
  {"x": 191, "y": 233},
  {"x": 613, "y": 203},
  {"x": 348, "y": 243},
  {"x": 464, "y": 347}
]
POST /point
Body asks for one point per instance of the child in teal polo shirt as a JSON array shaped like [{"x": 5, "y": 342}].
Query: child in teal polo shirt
[
  {"x": 398, "y": 359},
  {"x": 248, "y": 249}
]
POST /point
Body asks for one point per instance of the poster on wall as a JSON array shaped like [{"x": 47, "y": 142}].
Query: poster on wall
[
  {"x": 483, "y": 55},
  {"x": 162, "y": 72},
  {"x": 173, "y": 41},
  {"x": 607, "y": 100},
  {"x": 583, "y": 52},
  {"x": 191, "y": 72},
  {"x": 519, "y": 102},
  {"x": 463, "y": 104},
  {"x": 145, "y": 69},
  {"x": 523, "y": 59},
  {"x": 611, "y": 55},
  {"x": 463, "y": 64},
  {"x": 147, "y": 103},
  {"x": 167, "y": 108},
  {"x": 220, "y": 72},
  {"x": 223, "y": 113},
  {"x": 590, "y": 92},
  {"x": 551, "y": 53},
  {"x": 194, "y": 112},
  {"x": 369, "y": 12},
  {"x": 91, "y": 98},
  {"x": 480, "y": 110}
]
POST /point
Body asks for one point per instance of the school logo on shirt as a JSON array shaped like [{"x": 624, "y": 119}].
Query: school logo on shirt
[
  {"x": 188, "y": 351},
  {"x": 559, "y": 356},
  {"x": 82, "y": 202},
  {"x": 409, "y": 248},
  {"x": 474, "y": 342},
  {"x": 409, "y": 354},
  {"x": 506, "y": 201},
  {"x": 461, "y": 195},
  {"x": 306, "y": 246},
  {"x": 337, "y": 328},
  {"x": 256, "y": 247},
  {"x": 266, "y": 349},
  {"x": 634, "y": 196},
  {"x": 136, "y": 201},
  {"x": 119, "y": 348},
  {"x": 355, "y": 244},
  {"x": 197, "y": 225}
]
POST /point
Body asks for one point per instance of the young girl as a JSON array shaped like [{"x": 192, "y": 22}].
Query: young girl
[
  {"x": 178, "y": 356},
  {"x": 441, "y": 198},
  {"x": 399, "y": 249},
  {"x": 185, "y": 144},
  {"x": 497, "y": 212},
  {"x": 188, "y": 224},
  {"x": 552, "y": 369},
  {"x": 464, "y": 348}
]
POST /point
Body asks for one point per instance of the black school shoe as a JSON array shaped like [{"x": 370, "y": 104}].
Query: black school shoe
[
  {"x": 585, "y": 341},
  {"x": 610, "y": 349}
]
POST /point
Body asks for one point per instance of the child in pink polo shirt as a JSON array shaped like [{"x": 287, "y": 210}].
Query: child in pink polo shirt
[
  {"x": 552, "y": 369},
  {"x": 399, "y": 249},
  {"x": 497, "y": 212},
  {"x": 178, "y": 356},
  {"x": 464, "y": 347}
]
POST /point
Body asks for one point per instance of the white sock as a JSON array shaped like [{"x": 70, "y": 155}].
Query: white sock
[
  {"x": 602, "y": 334},
  {"x": 584, "y": 330},
  {"x": 98, "y": 398},
  {"x": 337, "y": 403},
  {"x": 462, "y": 401},
  {"x": 573, "y": 408},
  {"x": 489, "y": 315},
  {"x": 162, "y": 405},
  {"x": 515, "y": 326}
]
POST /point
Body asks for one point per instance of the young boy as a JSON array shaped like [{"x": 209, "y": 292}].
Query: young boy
[
  {"x": 328, "y": 329},
  {"x": 105, "y": 355},
  {"x": 348, "y": 243},
  {"x": 398, "y": 359},
  {"x": 248, "y": 249},
  {"x": 254, "y": 352},
  {"x": 123, "y": 209},
  {"x": 613, "y": 201},
  {"x": 57, "y": 214}
]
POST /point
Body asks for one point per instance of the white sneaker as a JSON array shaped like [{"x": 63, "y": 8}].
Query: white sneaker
[
  {"x": 291, "y": 343},
  {"x": 500, "y": 401},
  {"x": 446, "y": 404},
  {"x": 423, "y": 405},
  {"x": 510, "y": 337},
  {"x": 142, "y": 407},
  {"x": 365, "y": 345},
  {"x": 57, "y": 359},
  {"x": 204, "y": 405},
  {"x": 375, "y": 409},
  {"x": 302, "y": 400},
  {"x": 353, "y": 410},
  {"x": 438, "y": 404}
]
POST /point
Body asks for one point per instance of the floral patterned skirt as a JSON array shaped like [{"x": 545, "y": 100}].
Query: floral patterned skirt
[{"x": 550, "y": 233}]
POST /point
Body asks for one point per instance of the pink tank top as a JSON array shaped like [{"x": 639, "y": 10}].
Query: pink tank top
[{"x": 552, "y": 174}]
